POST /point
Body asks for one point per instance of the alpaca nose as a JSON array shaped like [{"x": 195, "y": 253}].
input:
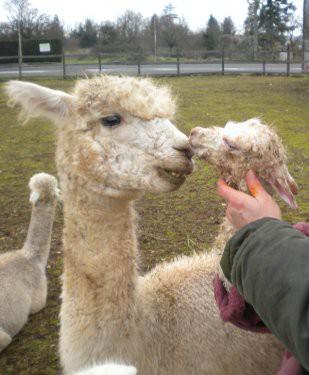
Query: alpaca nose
[{"x": 186, "y": 149}]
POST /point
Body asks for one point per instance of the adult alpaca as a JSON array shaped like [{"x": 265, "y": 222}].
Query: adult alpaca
[
  {"x": 115, "y": 141},
  {"x": 108, "y": 369},
  {"x": 23, "y": 282}
]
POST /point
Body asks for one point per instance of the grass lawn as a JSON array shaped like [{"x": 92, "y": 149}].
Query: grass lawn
[
  {"x": 131, "y": 59},
  {"x": 171, "y": 224}
]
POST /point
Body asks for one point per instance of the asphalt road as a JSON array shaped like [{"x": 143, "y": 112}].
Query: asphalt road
[{"x": 11, "y": 71}]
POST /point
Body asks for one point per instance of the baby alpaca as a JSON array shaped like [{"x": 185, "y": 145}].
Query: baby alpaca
[
  {"x": 22, "y": 272},
  {"x": 108, "y": 369},
  {"x": 235, "y": 149},
  {"x": 238, "y": 147}
]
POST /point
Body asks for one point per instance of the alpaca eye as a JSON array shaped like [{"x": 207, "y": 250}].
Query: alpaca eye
[
  {"x": 229, "y": 145},
  {"x": 111, "y": 120}
]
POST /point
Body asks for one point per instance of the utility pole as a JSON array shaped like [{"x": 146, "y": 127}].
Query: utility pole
[
  {"x": 16, "y": 9},
  {"x": 256, "y": 6},
  {"x": 155, "y": 35},
  {"x": 20, "y": 47},
  {"x": 306, "y": 37}
]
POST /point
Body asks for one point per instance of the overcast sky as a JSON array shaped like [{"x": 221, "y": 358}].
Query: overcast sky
[{"x": 196, "y": 12}]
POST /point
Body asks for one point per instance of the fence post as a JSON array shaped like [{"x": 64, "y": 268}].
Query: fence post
[
  {"x": 288, "y": 62},
  {"x": 178, "y": 65},
  {"x": 264, "y": 67},
  {"x": 139, "y": 68},
  {"x": 222, "y": 62},
  {"x": 64, "y": 66},
  {"x": 100, "y": 63}
]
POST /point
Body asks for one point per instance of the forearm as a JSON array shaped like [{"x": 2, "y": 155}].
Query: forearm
[{"x": 268, "y": 262}]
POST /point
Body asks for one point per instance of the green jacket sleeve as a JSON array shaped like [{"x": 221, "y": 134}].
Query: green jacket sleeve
[{"x": 268, "y": 262}]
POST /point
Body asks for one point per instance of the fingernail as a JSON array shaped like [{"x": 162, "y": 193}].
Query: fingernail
[
  {"x": 251, "y": 173},
  {"x": 221, "y": 182}
]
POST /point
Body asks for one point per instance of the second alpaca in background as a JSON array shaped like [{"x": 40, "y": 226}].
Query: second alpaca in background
[{"x": 22, "y": 272}]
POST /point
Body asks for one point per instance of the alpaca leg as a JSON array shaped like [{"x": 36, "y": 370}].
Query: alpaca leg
[
  {"x": 39, "y": 297},
  {"x": 5, "y": 340}
]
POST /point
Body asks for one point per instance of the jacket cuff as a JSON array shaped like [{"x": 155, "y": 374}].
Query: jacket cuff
[{"x": 236, "y": 241}]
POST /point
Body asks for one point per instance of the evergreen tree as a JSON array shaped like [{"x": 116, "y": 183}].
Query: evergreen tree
[
  {"x": 107, "y": 35},
  {"x": 228, "y": 32},
  {"x": 55, "y": 28},
  {"x": 212, "y": 34},
  {"x": 252, "y": 20},
  {"x": 86, "y": 34},
  {"x": 275, "y": 22},
  {"x": 252, "y": 23},
  {"x": 228, "y": 27}
]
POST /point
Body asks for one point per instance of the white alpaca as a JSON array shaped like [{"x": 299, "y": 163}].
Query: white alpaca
[
  {"x": 115, "y": 141},
  {"x": 108, "y": 369},
  {"x": 22, "y": 272},
  {"x": 238, "y": 147}
]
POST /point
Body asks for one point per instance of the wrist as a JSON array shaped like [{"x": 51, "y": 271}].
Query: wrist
[{"x": 235, "y": 242}]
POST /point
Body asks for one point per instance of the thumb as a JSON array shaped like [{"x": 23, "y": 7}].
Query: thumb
[{"x": 234, "y": 197}]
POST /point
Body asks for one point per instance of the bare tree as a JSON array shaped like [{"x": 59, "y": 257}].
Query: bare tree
[
  {"x": 17, "y": 10},
  {"x": 174, "y": 30},
  {"x": 28, "y": 21},
  {"x": 130, "y": 26}
]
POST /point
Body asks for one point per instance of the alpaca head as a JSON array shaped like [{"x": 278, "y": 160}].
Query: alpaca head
[
  {"x": 115, "y": 134},
  {"x": 238, "y": 147}
]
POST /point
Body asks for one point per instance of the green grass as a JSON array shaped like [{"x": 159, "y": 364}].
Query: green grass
[{"x": 171, "y": 224}]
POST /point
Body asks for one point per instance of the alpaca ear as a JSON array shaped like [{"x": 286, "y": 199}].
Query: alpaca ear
[
  {"x": 286, "y": 187},
  {"x": 37, "y": 100}
]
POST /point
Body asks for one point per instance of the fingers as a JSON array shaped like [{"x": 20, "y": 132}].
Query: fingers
[
  {"x": 254, "y": 185},
  {"x": 234, "y": 217},
  {"x": 234, "y": 197}
]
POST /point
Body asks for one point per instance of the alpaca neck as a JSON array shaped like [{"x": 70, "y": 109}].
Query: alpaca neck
[
  {"x": 37, "y": 244},
  {"x": 100, "y": 254}
]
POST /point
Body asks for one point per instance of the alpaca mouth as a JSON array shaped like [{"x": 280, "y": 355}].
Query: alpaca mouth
[
  {"x": 175, "y": 177},
  {"x": 197, "y": 148},
  {"x": 200, "y": 152}
]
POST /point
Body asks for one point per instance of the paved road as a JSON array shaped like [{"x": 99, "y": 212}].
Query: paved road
[{"x": 11, "y": 71}]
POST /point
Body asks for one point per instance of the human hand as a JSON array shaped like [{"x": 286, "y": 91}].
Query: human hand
[{"x": 243, "y": 208}]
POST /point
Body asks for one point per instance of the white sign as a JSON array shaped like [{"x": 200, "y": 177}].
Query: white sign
[{"x": 44, "y": 47}]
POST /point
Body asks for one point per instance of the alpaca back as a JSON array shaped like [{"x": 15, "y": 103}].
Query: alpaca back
[
  {"x": 108, "y": 369},
  {"x": 183, "y": 329},
  {"x": 19, "y": 277}
]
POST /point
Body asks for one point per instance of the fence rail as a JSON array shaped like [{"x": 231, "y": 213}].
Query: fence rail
[{"x": 79, "y": 64}]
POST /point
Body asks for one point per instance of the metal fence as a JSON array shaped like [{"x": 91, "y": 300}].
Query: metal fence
[{"x": 216, "y": 62}]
